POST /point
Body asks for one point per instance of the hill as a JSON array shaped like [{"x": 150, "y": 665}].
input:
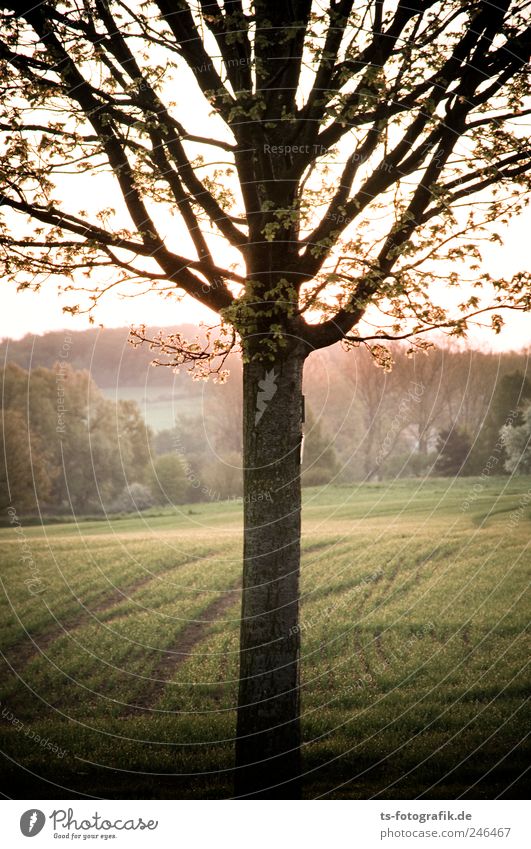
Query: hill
[{"x": 121, "y": 371}]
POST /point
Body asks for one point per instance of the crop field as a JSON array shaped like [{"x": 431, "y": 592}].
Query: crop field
[{"x": 120, "y": 643}]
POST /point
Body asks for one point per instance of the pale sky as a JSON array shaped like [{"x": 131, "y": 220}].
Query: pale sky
[{"x": 37, "y": 312}]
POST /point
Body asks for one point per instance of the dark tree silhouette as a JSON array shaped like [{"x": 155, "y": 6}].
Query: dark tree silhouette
[
  {"x": 453, "y": 448},
  {"x": 355, "y": 150},
  {"x": 511, "y": 396}
]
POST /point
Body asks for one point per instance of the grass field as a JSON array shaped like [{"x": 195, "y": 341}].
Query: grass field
[{"x": 121, "y": 662}]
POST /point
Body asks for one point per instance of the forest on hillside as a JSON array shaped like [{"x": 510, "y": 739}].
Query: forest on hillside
[
  {"x": 105, "y": 352},
  {"x": 449, "y": 411}
]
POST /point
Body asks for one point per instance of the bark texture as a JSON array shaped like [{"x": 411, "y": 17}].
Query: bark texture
[{"x": 268, "y": 727}]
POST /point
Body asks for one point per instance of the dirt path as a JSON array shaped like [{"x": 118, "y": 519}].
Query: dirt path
[
  {"x": 192, "y": 634},
  {"x": 33, "y": 644}
]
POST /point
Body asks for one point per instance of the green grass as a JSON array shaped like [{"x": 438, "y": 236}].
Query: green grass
[{"x": 414, "y": 647}]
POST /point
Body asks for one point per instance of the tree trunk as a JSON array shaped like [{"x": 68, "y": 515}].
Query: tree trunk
[{"x": 268, "y": 726}]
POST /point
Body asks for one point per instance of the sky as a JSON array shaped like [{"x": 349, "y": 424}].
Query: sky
[{"x": 37, "y": 312}]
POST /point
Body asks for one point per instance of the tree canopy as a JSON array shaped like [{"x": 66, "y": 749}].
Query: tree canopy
[{"x": 343, "y": 147}]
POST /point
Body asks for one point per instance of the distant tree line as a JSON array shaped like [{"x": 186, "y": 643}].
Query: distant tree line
[
  {"x": 65, "y": 446},
  {"x": 105, "y": 352},
  {"x": 451, "y": 412},
  {"x": 447, "y": 412}
]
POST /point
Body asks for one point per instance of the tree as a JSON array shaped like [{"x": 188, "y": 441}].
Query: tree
[
  {"x": 84, "y": 448},
  {"x": 324, "y": 120},
  {"x": 517, "y": 442},
  {"x": 168, "y": 483},
  {"x": 24, "y": 475},
  {"x": 509, "y": 398},
  {"x": 453, "y": 448},
  {"x": 132, "y": 499},
  {"x": 320, "y": 464}
]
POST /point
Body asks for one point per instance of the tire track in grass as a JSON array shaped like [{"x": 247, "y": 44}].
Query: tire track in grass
[
  {"x": 25, "y": 650},
  {"x": 355, "y": 634},
  {"x": 361, "y": 648},
  {"x": 380, "y": 654},
  {"x": 394, "y": 587},
  {"x": 172, "y": 658}
]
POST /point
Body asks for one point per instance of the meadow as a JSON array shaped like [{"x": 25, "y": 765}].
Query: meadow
[{"x": 120, "y": 641}]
